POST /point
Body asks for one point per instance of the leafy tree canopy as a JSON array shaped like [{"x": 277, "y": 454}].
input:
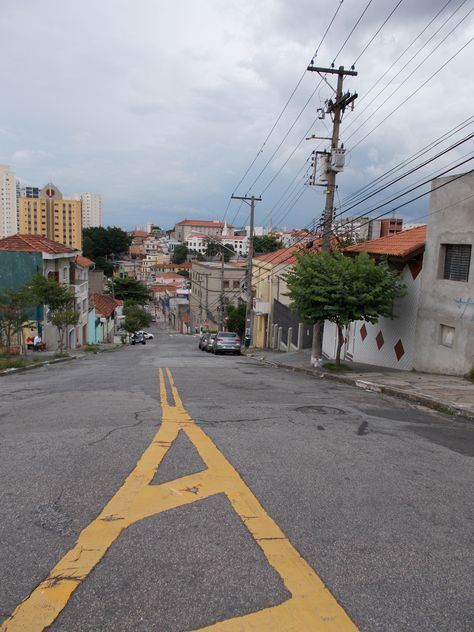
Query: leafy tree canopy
[
  {"x": 334, "y": 287},
  {"x": 129, "y": 290},
  {"x": 236, "y": 318},
  {"x": 213, "y": 249},
  {"x": 59, "y": 298},
  {"x": 180, "y": 254},
  {"x": 100, "y": 243},
  {"x": 135, "y": 318},
  {"x": 266, "y": 243}
]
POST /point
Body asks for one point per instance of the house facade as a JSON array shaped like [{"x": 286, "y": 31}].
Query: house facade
[
  {"x": 390, "y": 342},
  {"x": 212, "y": 228},
  {"x": 445, "y": 327},
  {"x": 23, "y": 256}
]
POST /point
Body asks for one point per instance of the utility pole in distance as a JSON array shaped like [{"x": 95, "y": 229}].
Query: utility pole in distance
[
  {"x": 248, "y": 310},
  {"x": 334, "y": 163}
]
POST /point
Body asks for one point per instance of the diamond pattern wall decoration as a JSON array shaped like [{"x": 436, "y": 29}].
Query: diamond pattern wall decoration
[
  {"x": 379, "y": 340},
  {"x": 363, "y": 332},
  {"x": 399, "y": 350}
]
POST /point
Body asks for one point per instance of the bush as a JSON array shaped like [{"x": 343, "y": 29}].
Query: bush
[{"x": 330, "y": 366}]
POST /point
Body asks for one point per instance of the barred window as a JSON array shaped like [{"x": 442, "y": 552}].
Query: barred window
[{"x": 457, "y": 261}]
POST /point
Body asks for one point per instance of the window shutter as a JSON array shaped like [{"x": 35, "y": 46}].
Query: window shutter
[{"x": 457, "y": 262}]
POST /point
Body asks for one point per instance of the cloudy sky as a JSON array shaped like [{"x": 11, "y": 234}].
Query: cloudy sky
[{"x": 161, "y": 106}]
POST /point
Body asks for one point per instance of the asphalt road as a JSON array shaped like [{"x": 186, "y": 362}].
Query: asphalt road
[{"x": 374, "y": 494}]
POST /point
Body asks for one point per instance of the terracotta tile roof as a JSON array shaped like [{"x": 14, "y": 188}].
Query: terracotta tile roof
[
  {"x": 34, "y": 243},
  {"x": 287, "y": 255},
  {"x": 183, "y": 266},
  {"x": 139, "y": 233},
  {"x": 84, "y": 261},
  {"x": 104, "y": 304},
  {"x": 200, "y": 222},
  {"x": 164, "y": 288},
  {"x": 402, "y": 245}
]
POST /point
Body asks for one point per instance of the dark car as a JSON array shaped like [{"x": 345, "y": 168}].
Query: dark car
[
  {"x": 137, "y": 338},
  {"x": 203, "y": 341},
  {"x": 226, "y": 342}
]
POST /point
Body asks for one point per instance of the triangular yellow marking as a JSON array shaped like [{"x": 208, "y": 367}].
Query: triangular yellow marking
[{"x": 311, "y": 606}]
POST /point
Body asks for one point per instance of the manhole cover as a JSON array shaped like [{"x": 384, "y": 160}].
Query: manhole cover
[{"x": 322, "y": 410}]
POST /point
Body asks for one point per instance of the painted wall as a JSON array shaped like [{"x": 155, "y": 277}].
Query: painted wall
[
  {"x": 17, "y": 268},
  {"x": 92, "y": 334},
  {"x": 444, "y": 302},
  {"x": 388, "y": 343}
]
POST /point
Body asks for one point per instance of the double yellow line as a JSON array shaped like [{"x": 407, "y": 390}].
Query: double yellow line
[{"x": 311, "y": 606}]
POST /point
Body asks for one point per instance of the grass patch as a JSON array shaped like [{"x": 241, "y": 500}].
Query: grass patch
[
  {"x": 330, "y": 366},
  {"x": 8, "y": 362},
  {"x": 91, "y": 348}
]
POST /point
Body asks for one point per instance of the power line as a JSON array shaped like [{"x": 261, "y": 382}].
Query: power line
[{"x": 377, "y": 32}]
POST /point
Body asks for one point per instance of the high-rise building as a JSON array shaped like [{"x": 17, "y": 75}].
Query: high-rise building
[
  {"x": 8, "y": 210},
  {"x": 52, "y": 216},
  {"x": 91, "y": 209},
  {"x": 30, "y": 192}
]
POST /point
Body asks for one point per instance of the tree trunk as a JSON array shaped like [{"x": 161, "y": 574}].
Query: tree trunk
[{"x": 340, "y": 342}]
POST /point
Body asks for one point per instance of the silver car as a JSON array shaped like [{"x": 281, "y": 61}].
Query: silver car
[{"x": 226, "y": 342}]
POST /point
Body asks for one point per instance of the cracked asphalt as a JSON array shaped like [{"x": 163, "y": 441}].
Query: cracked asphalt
[{"x": 374, "y": 493}]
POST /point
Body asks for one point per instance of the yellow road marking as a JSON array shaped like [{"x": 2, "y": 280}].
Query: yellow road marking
[{"x": 311, "y": 606}]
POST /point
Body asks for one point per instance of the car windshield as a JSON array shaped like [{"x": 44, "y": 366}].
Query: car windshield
[
  {"x": 227, "y": 334},
  {"x": 212, "y": 336}
]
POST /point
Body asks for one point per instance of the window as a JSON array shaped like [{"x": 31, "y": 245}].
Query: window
[
  {"x": 226, "y": 284},
  {"x": 457, "y": 259},
  {"x": 235, "y": 284},
  {"x": 447, "y": 335}
]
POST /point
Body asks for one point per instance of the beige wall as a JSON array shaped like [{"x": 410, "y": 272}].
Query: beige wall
[{"x": 59, "y": 220}]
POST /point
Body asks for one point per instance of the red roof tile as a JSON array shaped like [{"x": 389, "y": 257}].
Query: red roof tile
[
  {"x": 34, "y": 243},
  {"x": 287, "y": 255},
  {"x": 402, "y": 245},
  {"x": 104, "y": 304},
  {"x": 84, "y": 261}
]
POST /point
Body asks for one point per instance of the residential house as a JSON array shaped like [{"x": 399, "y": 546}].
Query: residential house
[
  {"x": 105, "y": 317},
  {"x": 23, "y": 256},
  {"x": 274, "y": 324},
  {"x": 209, "y": 281},
  {"x": 183, "y": 229},
  {"x": 79, "y": 278},
  {"x": 445, "y": 327},
  {"x": 390, "y": 342}
]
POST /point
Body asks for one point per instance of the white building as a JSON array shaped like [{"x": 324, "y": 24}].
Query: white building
[
  {"x": 91, "y": 204},
  {"x": 8, "y": 209}
]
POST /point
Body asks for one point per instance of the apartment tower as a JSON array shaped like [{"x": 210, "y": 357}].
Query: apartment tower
[
  {"x": 91, "y": 209},
  {"x": 52, "y": 216},
  {"x": 8, "y": 209}
]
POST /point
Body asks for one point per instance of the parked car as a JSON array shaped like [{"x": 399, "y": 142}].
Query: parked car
[
  {"x": 137, "y": 338},
  {"x": 203, "y": 341},
  {"x": 209, "y": 342},
  {"x": 226, "y": 342},
  {"x": 146, "y": 335}
]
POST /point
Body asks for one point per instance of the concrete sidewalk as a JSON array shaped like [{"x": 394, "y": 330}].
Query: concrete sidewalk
[{"x": 446, "y": 393}]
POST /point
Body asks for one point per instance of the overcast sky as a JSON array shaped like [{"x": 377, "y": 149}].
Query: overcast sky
[{"x": 161, "y": 106}]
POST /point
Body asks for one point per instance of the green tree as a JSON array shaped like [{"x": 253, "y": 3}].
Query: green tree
[
  {"x": 266, "y": 243},
  {"x": 15, "y": 313},
  {"x": 135, "y": 318},
  {"x": 103, "y": 244},
  {"x": 334, "y": 287},
  {"x": 213, "y": 249},
  {"x": 129, "y": 290},
  {"x": 236, "y": 318},
  {"x": 180, "y": 254},
  {"x": 59, "y": 299}
]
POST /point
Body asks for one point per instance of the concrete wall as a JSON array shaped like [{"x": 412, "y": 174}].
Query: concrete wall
[
  {"x": 388, "y": 342},
  {"x": 444, "y": 302}
]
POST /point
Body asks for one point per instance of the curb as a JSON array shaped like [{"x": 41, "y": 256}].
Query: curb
[
  {"x": 35, "y": 366},
  {"x": 424, "y": 400}
]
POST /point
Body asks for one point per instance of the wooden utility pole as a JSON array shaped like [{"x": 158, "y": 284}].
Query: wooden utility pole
[
  {"x": 334, "y": 164},
  {"x": 248, "y": 311}
]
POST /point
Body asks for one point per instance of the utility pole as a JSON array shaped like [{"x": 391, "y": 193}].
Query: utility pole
[
  {"x": 221, "y": 315},
  {"x": 333, "y": 164},
  {"x": 248, "y": 311}
]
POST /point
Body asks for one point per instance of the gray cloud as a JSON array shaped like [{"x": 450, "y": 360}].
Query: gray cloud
[{"x": 161, "y": 108}]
